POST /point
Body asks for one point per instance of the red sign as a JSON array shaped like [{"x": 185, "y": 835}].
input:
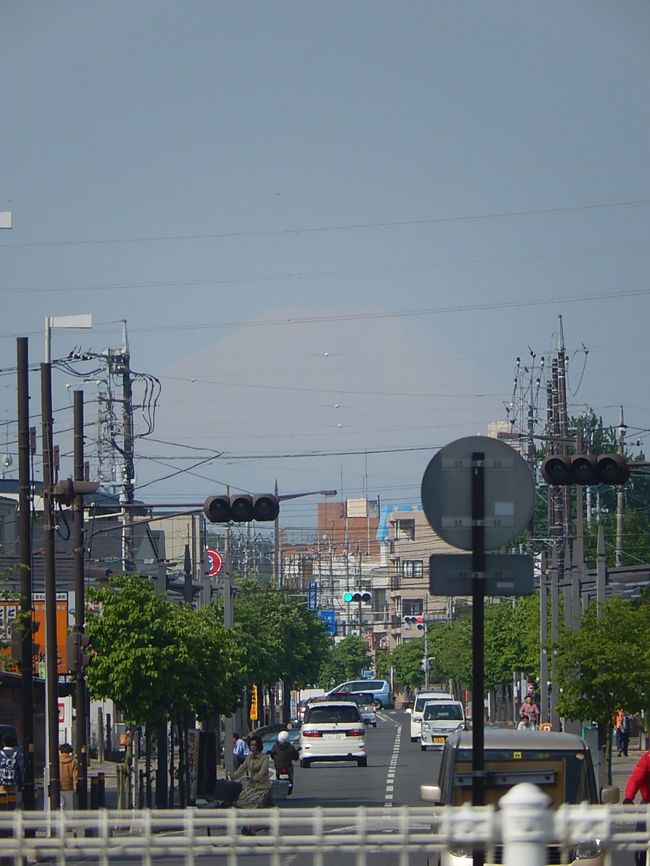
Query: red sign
[{"x": 214, "y": 562}]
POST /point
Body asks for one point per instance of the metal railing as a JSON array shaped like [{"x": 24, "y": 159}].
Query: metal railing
[{"x": 523, "y": 830}]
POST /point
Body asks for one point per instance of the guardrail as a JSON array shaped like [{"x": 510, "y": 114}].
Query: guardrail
[{"x": 521, "y": 831}]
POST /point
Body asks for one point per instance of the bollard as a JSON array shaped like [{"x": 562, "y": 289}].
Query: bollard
[
  {"x": 526, "y": 825},
  {"x": 98, "y": 791}
]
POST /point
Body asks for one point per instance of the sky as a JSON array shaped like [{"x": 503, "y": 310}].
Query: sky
[{"x": 331, "y": 228}]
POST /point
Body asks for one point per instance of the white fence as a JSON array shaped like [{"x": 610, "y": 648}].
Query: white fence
[{"x": 520, "y": 832}]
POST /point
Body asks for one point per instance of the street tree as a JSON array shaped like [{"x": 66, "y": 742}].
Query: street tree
[
  {"x": 604, "y": 663},
  {"x": 345, "y": 661}
]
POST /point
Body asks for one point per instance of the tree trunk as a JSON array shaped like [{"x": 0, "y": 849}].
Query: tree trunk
[
  {"x": 171, "y": 763},
  {"x": 147, "y": 765},
  {"x": 182, "y": 760}
]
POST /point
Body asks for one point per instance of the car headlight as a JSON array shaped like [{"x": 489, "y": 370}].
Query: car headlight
[
  {"x": 460, "y": 851},
  {"x": 426, "y": 726},
  {"x": 587, "y": 851},
  {"x": 461, "y": 726}
]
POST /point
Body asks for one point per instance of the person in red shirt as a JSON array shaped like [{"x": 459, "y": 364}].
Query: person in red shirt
[
  {"x": 639, "y": 780},
  {"x": 639, "y": 783}
]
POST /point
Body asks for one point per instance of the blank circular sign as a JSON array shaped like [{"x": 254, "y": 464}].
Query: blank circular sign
[{"x": 446, "y": 493}]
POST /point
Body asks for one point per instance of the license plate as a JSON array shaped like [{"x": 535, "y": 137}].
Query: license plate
[
  {"x": 334, "y": 736},
  {"x": 438, "y": 739}
]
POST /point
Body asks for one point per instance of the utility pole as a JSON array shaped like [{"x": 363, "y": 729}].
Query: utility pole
[
  {"x": 127, "y": 495},
  {"x": 620, "y": 495},
  {"x": 26, "y": 602},
  {"x": 80, "y": 601},
  {"x": 51, "y": 654}
]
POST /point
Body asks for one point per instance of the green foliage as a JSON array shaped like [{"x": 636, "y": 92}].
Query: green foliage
[
  {"x": 605, "y": 663},
  {"x": 136, "y": 655},
  {"x": 284, "y": 640},
  {"x": 407, "y": 663},
  {"x": 154, "y": 658},
  {"x": 345, "y": 661},
  {"x": 511, "y": 644}
]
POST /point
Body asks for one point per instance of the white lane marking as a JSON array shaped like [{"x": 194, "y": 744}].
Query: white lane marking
[{"x": 392, "y": 769}]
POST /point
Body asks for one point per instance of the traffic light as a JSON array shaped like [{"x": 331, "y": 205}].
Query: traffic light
[
  {"x": 77, "y": 644},
  {"x": 241, "y": 508},
  {"x": 357, "y": 595},
  {"x": 585, "y": 469},
  {"x": 414, "y": 620}
]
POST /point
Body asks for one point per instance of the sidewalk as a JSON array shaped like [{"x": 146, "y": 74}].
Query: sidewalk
[{"x": 622, "y": 767}]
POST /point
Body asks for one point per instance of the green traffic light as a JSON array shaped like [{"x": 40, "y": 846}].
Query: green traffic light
[{"x": 347, "y": 596}]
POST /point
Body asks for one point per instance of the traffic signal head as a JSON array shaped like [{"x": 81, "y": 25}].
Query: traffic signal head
[
  {"x": 241, "y": 508},
  {"x": 77, "y": 645},
  {"x": 357, "y": 596},
  {"x": 585, "y": 469},
  {"x": 414, "y": 620}
]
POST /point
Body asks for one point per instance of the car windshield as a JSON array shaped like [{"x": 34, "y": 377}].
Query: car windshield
[
  {"x": 316, "y": 714},
  {"x": 421, "y": 701},
  {"x": 561, "y": 775},
  {"x": 440, "y": 711}
]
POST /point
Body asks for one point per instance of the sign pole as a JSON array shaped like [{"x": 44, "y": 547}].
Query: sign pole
[{"x": 478, "y": 633}]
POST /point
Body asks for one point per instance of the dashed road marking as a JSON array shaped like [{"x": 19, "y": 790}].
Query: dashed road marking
[{"x": 392, "y": 769}]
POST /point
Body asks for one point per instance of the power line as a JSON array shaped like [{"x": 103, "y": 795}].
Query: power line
[{"x": 338, "y": 228}]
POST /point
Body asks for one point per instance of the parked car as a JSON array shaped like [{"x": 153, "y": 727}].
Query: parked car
[
  {"x": 379, "y": 688},
  {"x": 333, "y": 731},
  {"x": 560, "y": 764},
  {"x": 418, "y": 707},
  {"x": 439, "y": 719},
  {"x": 271, "y": 737}
]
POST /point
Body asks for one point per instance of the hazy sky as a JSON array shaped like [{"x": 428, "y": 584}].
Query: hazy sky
[{"x": 332, "y": 227}]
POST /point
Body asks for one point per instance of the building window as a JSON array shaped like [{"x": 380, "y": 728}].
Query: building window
[
  {"x": 412, "y": 568},
  {"x": 405, "y": 530},
  {"x": 412, "y": 606}
]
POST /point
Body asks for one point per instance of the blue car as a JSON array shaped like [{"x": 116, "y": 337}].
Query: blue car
[{"x": 269, "y": 740}]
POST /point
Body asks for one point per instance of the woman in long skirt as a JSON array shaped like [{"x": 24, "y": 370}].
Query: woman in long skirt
[{"x": 256, "y": 793}]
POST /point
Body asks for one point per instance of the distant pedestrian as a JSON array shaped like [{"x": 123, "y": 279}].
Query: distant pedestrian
[
  {"x": 530, "y": 709},
  {"x": 11, "y": 773},
  {"x": 68, "y": 774},
  {"x": 524, "y": 724},
  {"x": 625, "y": 732},
  {"x": 240, "y": 751}
]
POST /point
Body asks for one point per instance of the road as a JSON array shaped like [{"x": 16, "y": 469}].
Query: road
[{"x": 396, "y": 769}]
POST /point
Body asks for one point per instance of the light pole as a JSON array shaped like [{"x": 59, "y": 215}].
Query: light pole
[{"x": 277, "y": 572}]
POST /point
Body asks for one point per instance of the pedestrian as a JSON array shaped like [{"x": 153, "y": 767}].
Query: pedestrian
[
  {"x": 625, "y": 732},
  {"x": 639, "y": 783},
  {"x": 257, "y": 785},
  {"x": 240, "y": 751},
  {"x": 283, "y": 754},
  {"x": 11, "y": 773},
  {"x": 68, "y": 775},
  {"x": 524, "y": 724},
  {"x": 530, "y": 709}
]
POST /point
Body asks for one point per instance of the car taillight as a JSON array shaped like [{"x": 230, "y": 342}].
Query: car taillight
[
  {"x": 312, "y": 734},
  {"x": 355, "y": 732}
]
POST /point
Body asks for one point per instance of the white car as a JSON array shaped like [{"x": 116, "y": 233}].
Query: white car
[
  {"x": 439, "y": 719},
  {"x": 333, "y": 731},
  {"x": 416, "y": 712}
]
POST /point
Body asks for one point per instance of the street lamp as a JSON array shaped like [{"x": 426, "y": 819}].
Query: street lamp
[{"x": 277, "y": 575}]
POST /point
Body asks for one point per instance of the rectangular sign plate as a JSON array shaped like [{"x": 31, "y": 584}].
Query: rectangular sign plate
[{"x": 505, "y": 574}]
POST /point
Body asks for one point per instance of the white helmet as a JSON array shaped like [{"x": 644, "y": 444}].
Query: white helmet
[{"x": 283, "y": 736}]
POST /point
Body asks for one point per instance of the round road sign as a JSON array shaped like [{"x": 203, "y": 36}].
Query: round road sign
[
  {"x": 214, "y": 562},
  {"x": 446, "y": 492}
]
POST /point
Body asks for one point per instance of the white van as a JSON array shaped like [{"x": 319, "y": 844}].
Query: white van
[
  {"x": 418, "y": 706},
  {"x": 439, "y": 719}
]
